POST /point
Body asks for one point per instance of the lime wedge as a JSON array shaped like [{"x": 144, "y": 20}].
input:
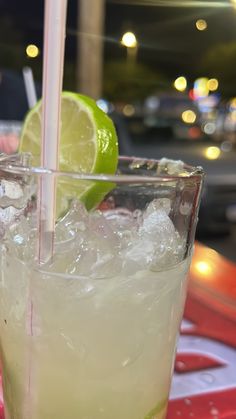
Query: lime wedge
[{"x": 88, "y": 145}]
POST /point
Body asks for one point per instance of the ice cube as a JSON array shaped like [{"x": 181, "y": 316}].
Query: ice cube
[
  {"x": 156, "y": 245},
  {"x": 9, "y": 214},
  {"x": 10, "y": 189},
  {"x": 71, "y": 229},
  {"x": 21, "y": 238},
  {"x": 160, "y": 203},
  {"x": 125, "y": 224},
  {"x": 157, "y": 225},
  {"x": 172, "y": 167},
  {"x": 94, "y": 248},
  {"x": 121, "y": 219},
  {"x": 76, "y": 218}
]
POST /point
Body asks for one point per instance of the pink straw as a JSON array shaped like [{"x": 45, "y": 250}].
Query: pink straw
[{"x": 53, "y": 62}]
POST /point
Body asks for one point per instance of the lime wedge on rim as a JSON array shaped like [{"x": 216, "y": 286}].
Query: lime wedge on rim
[{"x": 88, "y": 145}]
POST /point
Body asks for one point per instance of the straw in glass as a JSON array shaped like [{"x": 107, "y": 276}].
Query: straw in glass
[{"x": 54, "y": 45}]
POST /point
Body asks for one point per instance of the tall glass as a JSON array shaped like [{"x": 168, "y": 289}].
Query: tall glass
[{"x": 91, "y": 334}]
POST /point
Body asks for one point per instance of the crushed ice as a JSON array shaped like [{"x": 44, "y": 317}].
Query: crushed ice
[{"x": 103, "y": 243}]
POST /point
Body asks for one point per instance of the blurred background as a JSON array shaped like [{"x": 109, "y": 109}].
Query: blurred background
[{"x": 165, "y": 71}]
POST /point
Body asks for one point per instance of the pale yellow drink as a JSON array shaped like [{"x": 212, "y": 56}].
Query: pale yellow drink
[{"x": 87, "y": 347}]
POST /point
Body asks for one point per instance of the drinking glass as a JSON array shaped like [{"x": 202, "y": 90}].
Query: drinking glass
[{"x": 91, "y": 333}]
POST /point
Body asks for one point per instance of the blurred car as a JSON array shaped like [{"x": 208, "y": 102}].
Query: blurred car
[
  {"x": 218, "y": 207},
  {"x": 176, "y": 112}
]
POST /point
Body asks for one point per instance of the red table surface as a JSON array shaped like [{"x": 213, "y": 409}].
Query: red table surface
[{"x": 204, "y": 381}]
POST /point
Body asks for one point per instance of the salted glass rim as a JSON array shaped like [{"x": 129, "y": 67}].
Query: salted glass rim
[{"x": 8, "y": 164}]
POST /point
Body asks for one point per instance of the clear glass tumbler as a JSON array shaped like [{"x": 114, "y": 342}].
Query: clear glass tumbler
[{"x": 91, "y": 333}]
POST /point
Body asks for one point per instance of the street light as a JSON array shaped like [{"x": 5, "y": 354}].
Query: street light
[
  {"x": 180, "y": 84},
  {"x": 32, "y": 51},
  {"x": 201, "y": 24},
  {"x": 212, "y": 85},
  {"x": 129, "y": 40}
]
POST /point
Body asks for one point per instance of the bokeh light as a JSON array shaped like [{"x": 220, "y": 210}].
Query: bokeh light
[
  {"x": 203, "y": 267},
  {"x": 233, "y": 3},
  {"x": 212, "y": 153},
  {"x": 209, "y": 128},
  {"x": 129, "y": 40},
  {"x": 233, "y": 115},
  {"x": 103, "y": 105},
  {"x": 201, "y": 24},
  {"x": 194, "y": 133},
  {"x": 189, "y": 116},
  {"x": 201, "y": 89},
  {"x": 232, "y": 104},
  {"x": 212, "y": 85},
  {"x": 180, "y": 84},
  {"x": 226, "y": 146},
  {"x": 32, "y": 51},
  {"x": 152, "y": 103},
  {"x": 128, "y": 110}
]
